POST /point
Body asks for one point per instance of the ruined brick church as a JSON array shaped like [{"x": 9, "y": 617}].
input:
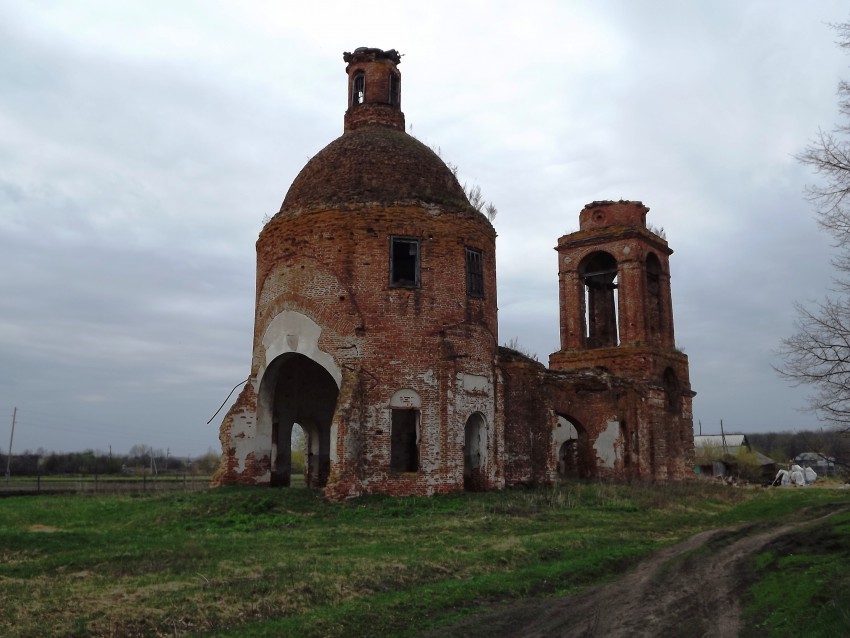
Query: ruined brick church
[{"x": 376, "y": 332}]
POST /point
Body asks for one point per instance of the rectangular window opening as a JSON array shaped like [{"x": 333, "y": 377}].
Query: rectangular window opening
[
  {"x": 474, "y": 273},
  {"x": 404, "y": 444},
  {"x": 404, "y": 262}
]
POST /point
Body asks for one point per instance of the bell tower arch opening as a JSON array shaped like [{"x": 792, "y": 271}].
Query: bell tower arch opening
[
  {"x": 654, "y": 298},
  {"x": 598, "y": 272},
  {"x": 302, "y": 393}
]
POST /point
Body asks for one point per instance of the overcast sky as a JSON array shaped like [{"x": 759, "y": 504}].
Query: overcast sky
[{"x": 143, "y": 143}]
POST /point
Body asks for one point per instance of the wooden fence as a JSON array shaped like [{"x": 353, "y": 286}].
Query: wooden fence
[{"x": 93, "y": 484}]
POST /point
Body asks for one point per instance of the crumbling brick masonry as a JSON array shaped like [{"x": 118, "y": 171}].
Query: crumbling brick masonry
[{"x": 376, "y": 332}]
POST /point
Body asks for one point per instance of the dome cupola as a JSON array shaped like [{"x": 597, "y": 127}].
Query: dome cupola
[
  {"x": 374, "y": 161},
  {"x": 374, "y": 88}
]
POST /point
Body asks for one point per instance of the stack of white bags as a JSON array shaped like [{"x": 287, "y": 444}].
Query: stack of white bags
[{"x": 796, "y": 476}]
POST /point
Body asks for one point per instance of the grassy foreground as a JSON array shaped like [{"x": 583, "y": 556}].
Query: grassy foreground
[{"x": 262, "y": 562}]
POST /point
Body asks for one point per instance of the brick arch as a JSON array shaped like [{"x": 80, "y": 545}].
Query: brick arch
[
  {"x": 573, "y": 455},
  {"x": 594, "y": 404},
  {"x": 314, "y": 278},
  {"x": 341, "y": 324}
]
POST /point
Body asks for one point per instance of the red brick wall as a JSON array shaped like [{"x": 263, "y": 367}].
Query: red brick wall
[{"x": 333, "y": 266}]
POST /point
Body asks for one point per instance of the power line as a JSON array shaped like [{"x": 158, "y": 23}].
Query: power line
[
  {"x": 11, "y": 438},
  {"x": 225, "y": 401}
]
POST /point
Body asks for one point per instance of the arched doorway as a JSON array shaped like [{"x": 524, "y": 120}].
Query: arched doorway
[
  {"x": 573, "y": 452},
  {"x": 474, "y": 453},
  {"x": 304, "y": 393}
]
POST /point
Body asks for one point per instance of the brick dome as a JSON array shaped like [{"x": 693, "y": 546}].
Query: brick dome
[{"x": 374, "y": 164}]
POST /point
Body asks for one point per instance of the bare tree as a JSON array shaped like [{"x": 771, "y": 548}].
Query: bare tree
[
  {"x": 829, "y": 156},
  {"x": 818, "y": 354}
]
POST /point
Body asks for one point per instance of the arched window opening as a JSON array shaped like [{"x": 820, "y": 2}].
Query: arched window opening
[
  {"x": 394, "y": 97},
  {"x": 358, "y": 92},
  {"x": 598, "y": 273},
  {"x": 474, "y": 453},
  {"x": 654, "y": 314},
  {"x": 673, "y": 391}
]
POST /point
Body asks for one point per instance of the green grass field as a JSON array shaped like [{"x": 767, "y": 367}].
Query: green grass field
[{"x": 263, "y": 562}]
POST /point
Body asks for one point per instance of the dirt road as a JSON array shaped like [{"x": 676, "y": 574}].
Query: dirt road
[{"x": 689, "y": 589}]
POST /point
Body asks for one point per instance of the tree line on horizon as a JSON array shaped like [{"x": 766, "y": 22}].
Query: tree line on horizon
[
  {"x": 141, "y": 460},
  {"x": 782, "y": 447}
]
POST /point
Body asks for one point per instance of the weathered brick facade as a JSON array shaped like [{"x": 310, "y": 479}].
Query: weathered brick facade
[{"x": 376, "y": 331}]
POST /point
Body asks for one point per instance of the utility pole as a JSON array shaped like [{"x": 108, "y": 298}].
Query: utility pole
[{"x": 11, "y": 438}]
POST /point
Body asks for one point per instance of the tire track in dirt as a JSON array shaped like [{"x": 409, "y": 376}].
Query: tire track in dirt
[{"x": 689, "y": 589}]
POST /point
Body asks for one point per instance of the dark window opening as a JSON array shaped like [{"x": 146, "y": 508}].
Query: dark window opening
[
  {"x": 404, "y": 262},
  {"x": 358, "y": 93},
  {"x": 474, "y": 273},
  {"x": 404, "y": 448},
  {"x": 394, "y": 93}
]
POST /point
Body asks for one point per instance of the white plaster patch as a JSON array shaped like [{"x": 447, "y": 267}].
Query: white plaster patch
[
  {"x": 243, "y": 439},
  {"x": 474, "y": 382},
  {"x": 292, "y": 331},
  {"x": 428, "y": 378},
  {"x": 405, "y": 398},
  {"x": 607, "y": 450}
]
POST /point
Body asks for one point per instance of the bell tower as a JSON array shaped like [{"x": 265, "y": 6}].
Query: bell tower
[
  {"x": 617, "y": 317},
  {"x": 374, "y": 88},
  {"x": 615, "y": 306}
]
